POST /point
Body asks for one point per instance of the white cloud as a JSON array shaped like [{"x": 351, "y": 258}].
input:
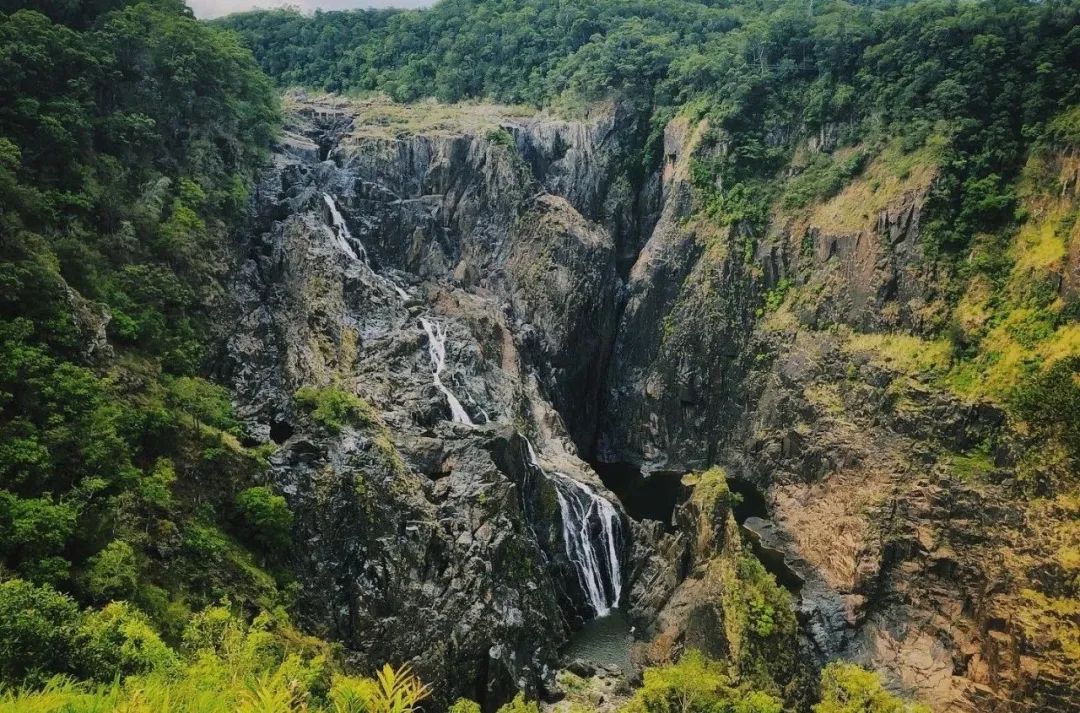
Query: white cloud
[{"x": 217, "y": 8}]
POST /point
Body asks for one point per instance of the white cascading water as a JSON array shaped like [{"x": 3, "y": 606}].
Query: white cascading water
[
  {"x": 596, "y": 562},
  {"x": 437, "y": 352},
  {"x": 346, "y": 242},
  {"x": 341, "y": 230}
]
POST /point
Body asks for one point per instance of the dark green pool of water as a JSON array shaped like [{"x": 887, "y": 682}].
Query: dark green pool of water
[{"x": 602, "y": 641}]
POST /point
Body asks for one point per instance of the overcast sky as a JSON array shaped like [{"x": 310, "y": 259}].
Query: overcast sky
[{"x": 216, "y": 8}]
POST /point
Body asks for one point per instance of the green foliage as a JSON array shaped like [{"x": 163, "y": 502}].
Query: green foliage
[
  {"x": 847, "y": 688},
  {"x": 129, "y": 133},
  {"x": 821, "y": 179},
  {"x": 226, "y": 665},
  {"x": 1049, "y": 400},
  {"x": 113, "y": 572},
  {"x": 120, "y": 641},
  {"x": 396, "y": 690},
  {"x": 696, "y": 684},
  {"x": 520, "y": 705},
  {"x": 334, "y": 408},
  {"x": 501, "y": 137},
  {"x": 762, "y": 622},
  {"x": 204, "y": 402},
  {"x": 775, "y": 297},
  {"x": 464, "y": 705},
  {"x": 37, "y": 625},
  {"x": 267, "y": 518},
  {"x": 985, "y": 75}
]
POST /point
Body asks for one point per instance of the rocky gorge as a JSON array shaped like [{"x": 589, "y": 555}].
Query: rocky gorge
[{"x": 506, "y": 305}]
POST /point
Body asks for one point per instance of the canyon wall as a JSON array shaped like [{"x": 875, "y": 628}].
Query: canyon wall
[{"x": 588, "y": 310}]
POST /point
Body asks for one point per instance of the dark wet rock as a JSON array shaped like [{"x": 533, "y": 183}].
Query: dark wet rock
[{"x": 418, "y": 538}]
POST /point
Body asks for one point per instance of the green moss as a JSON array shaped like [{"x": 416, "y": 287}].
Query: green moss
[
  {"x": 974, "y": 465},
  {"x": 710, "y": 488}
]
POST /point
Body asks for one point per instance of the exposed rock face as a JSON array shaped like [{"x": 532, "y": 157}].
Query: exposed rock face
[
  {"x": 420, "y": 538},
  {"x": 597, "y": 313},
  {"x": 901, "y": 563}
]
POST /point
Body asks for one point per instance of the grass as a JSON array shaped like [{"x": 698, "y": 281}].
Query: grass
[
  {"x": 903, "y": 352},
  {"x": 1041, "y": 245},
  {"x": 887, "y": 176},
  {"x": 972, "y": 466},
  {"x": 377, "y": 116},
  {"x": 230, "y": 681}
]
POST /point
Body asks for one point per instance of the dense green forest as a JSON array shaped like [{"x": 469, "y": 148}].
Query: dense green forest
[
  {"x": 975, "y": 84},
  {"x": 136, "y": 539},
  {"x": 994, "y": 72}
]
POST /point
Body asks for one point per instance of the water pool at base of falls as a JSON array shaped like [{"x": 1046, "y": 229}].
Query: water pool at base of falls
[{"x": 603, "y": 641}]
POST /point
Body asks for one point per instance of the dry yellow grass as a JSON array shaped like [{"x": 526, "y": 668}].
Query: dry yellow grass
[
  {"x": 377, "y": 116},
  {"x": 1038, "y": 246},
  {"x": 902, "y": 352},
  {"x": 887, "y": 177}
]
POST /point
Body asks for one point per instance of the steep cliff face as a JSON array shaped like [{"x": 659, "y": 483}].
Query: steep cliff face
[
  {"x": 409, "y": 310},
  {"x": 808, "y": 369},
  {"x": 445, "y": 311}
]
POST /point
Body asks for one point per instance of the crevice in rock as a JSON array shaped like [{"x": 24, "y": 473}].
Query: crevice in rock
[
  {"x": 750, "y": 502},
  {"x": 281, "y": 431},
  {"x": 644, "y": 497}
]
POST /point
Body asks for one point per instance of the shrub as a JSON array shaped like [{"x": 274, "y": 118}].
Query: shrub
[
  {"x": 464, "y": 705},
  {"x": 119, "y": 641},
  {"x": 203, "y": 402},
  {"x": 847, "y": 688},
  {"x": 113, "y": 572},
  {"x": 697, "y": 684},
  {"x": 334, "y": 408},
  {"x": 520, "y": 705},
  {"x": 267, "y": 518},
  {"x": 36, "y": 629}
]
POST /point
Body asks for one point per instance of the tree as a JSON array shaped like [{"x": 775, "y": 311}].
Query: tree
[
  {"x": 120, "y": 641},
  {"x": 847, "y": 688},
  {"x": 113, "y": 572},
  {"x": 266, "y": 517},
  {"x": 37, "y": 625}
]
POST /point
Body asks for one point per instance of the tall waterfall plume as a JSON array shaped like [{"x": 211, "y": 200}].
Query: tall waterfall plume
[
  {"x": 341, "y": 230},
  {"x": 437, "y": 352},
  {"x": 346, "y": 242},
  {"x": 592, "y": 532}
]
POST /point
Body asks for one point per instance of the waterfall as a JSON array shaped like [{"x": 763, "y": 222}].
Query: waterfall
[
  {"x": 341, "y": 230},
  {"x": 437, "y": 352},
  {"x": 595, "y": 558},
  {"x": 346, "y": 242}
]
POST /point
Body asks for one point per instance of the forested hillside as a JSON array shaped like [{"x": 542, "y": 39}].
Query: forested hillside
[
  {"x": 133, "y": 539},
  {"x": 974, "y": 85},
  {"x": 172, "y": 541}
]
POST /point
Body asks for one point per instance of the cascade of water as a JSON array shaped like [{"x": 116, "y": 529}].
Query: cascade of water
[
  {"x": 341, "y": 230},
  {"x": 437, "y": 352},
  {"x": 595, "y": 559},
  {"x": 346, "y": 242}
]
